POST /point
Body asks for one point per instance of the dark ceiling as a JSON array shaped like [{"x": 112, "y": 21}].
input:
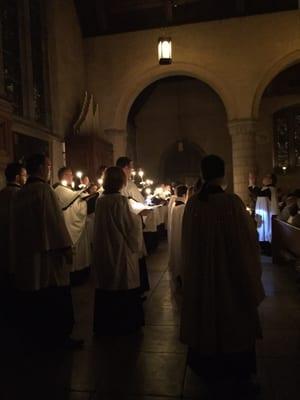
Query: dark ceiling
[{"x": 101, "y": 17}]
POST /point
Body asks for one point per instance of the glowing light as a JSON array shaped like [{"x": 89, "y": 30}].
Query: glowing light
[
  {"x": 133, "y": 173},
  {"x": 79, "y": 174},
  {"x": 100, "y": 181},
  {"x": 165, "y": 51},
  {"x": 141, "y": 173},
  {"x": 64, "y": 182},
  {"x": 148, "y": 191},
  {"x": 73, "y": 185}
]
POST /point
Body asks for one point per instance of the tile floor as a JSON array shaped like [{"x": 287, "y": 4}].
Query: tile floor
[{"x": 152, "y": 365}]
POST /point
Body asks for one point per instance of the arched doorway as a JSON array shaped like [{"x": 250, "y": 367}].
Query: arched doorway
[
  {"x": 278, "y": 143},
  {"x": 177, "y": 119}
]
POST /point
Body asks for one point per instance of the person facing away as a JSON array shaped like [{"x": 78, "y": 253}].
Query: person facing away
[
  {"x": 16, "y": 175},
  {"x": 42, "y": 259},
  {"x": 222, "y": 286},
  {"x": 266, "y": 205},
  {"x": 76, "y": 206},
  {"x": 176, "y": 237},
  {"x": 135, "y": 201},
  {"x": 118, "y": 305}
]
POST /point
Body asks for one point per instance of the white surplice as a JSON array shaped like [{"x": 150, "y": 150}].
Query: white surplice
[
  {"x": 39, "y": 236},
  {"x": 75, "y": 213},
  {"x": 175, "y": 243},
  {"x": 116, "y": 244},
  {"x": 264, "y": 211}
]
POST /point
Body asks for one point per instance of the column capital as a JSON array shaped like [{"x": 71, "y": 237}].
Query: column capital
[{"x": 242, "y": 127}]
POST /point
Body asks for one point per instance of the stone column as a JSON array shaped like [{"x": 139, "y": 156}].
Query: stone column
[
  {"x": 243, "y": 133},
  {"x": 118, "y": 137}
]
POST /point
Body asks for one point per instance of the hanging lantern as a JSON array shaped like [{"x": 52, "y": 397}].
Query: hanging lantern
[{"x": 165, "y": 51}]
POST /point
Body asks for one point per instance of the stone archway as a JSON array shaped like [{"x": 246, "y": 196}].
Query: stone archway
[
  {"x": 280, "y": 65},
  {"x": 138, "y": 84}
]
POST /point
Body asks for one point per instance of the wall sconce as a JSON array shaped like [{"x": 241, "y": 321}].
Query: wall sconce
[{"x": 164, "y": 51}]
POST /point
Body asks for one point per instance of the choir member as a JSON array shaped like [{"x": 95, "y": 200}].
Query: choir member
[
  {"x": 76, "y": 206},
  {"x": 266, "y": 206},
  {"x": 131, "y": 191},
  {"x": 222, "y": 286},
  {"x": 175, "y": 260},
  {"x": 16, "y": 176},
  {"x": 118, "y": 306},
  {"x": 43, "y": 254}
]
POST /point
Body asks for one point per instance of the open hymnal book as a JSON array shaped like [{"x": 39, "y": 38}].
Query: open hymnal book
[{"x": 137, "y": 207}]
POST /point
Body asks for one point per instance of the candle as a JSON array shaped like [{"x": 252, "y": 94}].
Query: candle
[
  {"x": 64, "y": 182},
  {"x": 73, "y": 185},
  {"x": 141, "y": 173},
  {"x": 79, "y": 174}
]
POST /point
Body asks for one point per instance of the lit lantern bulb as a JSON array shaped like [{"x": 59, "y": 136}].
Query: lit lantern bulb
[
  {"x": 79, "y": 174},
  {"x": 284, "y": 168}
]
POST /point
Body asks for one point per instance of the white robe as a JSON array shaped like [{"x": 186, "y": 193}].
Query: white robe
[
  {"x": 132, "y": 191},
  {"x": 264, "y": 211},
  {"x": 170, "y": 208},
  {"x": 136, "y": 205},
  {"x": 75, "y": 218},
  {"x": 40, "y": 235},
  {"x": 116, "y": 244},
  {"x": 175, "y": 254}
]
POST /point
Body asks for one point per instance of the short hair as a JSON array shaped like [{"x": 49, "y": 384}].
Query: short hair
[
  {"x": 62, "y": 171},
  {"x": 123, "y": 162},
  {"x": 12, "y": 170},
  {"x": 114, "y": 179},
  {"x": 212, "y": 167},
  {"x": 181, "y": 190},
  {"x": 34, "y": 162}
]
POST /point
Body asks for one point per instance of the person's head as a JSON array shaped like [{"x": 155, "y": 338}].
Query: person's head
[
  {"x": 181, "y": 191},
  {"x": 15, "y": 173},
  {"x": 213, "y": 169},
  {"x": 114, "y": 179},
  {"x": 39, "y": 166},
  {"x": 65, "y": 174},
  {"x": 269, "y": 180},
  {"x": 85, "y": 180},
  {"x": 93, "y": 188},
  {"x": 290, "y": 199},
  {"x": 126, "y": 164}
]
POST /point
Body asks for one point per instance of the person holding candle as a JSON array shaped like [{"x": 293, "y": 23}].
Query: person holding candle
[
  {"x": 76, "y": 205},
  {"x": 118, "y": 306}
]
